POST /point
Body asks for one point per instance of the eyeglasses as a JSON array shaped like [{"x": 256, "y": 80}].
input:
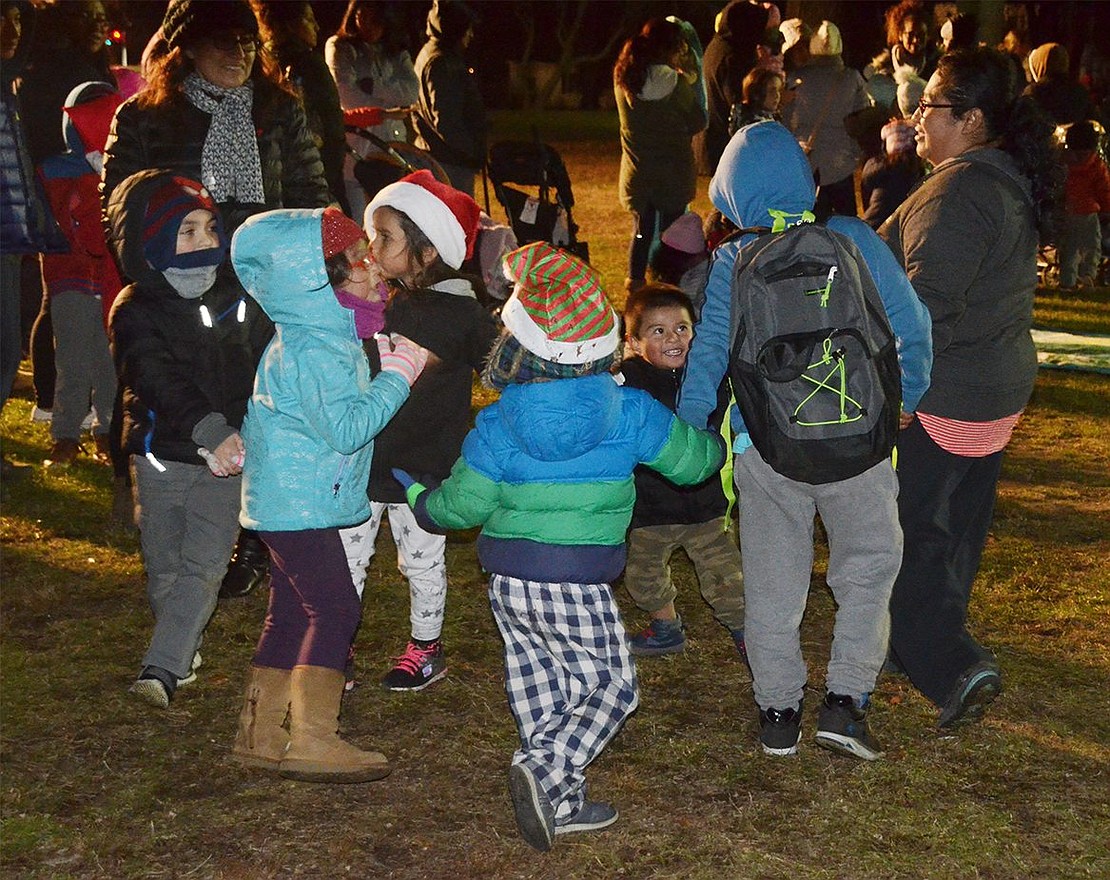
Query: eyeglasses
[
  {"x": 923, "y": 105},
  {"x": 231, "y": 42}
]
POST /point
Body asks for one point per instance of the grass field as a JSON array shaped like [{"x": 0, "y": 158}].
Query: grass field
[{"x": 95, "y": 785}]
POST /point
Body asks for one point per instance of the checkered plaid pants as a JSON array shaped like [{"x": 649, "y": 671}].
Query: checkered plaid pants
[{"x": 569, "y": 677}]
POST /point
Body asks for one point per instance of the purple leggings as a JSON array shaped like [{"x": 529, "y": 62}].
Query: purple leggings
[{"x": 314, "y": 609}]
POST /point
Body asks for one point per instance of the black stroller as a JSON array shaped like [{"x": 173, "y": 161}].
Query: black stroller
[
  {"x": 394, "y": 161},
  {"x": 543, "y": 211}
]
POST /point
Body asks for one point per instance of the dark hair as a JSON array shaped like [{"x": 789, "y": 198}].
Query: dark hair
[
  {"x": 434, "y": 271},
  {"x": 1083, "y": 135},
  {"x": 965, "y": 30},
  {"x": 656, "y": 42},
  {"x": 669, "y": 264},
  {"x": 755, "y": 85},
  {"x": 986, "y": 80},
  {"x": 655, "y": 295},
  {"x": 394, "y": 39},
  {"x": 277, "y": 19},
  {"x": 338, "y": 268}
]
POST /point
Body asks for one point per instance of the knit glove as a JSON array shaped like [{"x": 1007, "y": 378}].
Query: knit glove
[
  {"x": 401, "y": 356},
  {"x": 363, "y": 117},
  {"x": 741, "y": 443}
]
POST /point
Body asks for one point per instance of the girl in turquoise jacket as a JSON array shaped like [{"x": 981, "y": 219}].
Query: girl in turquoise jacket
[{"x": 309, "y": 440}]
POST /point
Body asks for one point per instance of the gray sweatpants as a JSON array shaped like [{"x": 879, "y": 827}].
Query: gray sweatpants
[
  {"x": 860, "y": 516},
  {"x": 1080, "y": 248},
  {"x": 188, "y": 521},
  {"x": 86, "y": 373}
]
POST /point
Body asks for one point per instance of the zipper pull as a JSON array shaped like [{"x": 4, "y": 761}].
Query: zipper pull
[{"x": 335, "y": 491}]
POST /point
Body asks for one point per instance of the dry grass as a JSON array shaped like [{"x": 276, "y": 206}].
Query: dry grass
[{"x": 96, "y": 786}]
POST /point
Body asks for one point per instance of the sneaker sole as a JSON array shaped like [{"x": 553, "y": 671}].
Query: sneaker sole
[
  {"x": 321, "y": 773},
  {"x": 419, "y": 687},
  {"x": 845, "y": 745},
  {"x": 151, "y": 692},
  {"x": 655, "y": 652},
  {"x": 782, "y": 753},
  {"x": 535, "y": 818},
  {"x": 978, "y": 694},
  {"x": 575, "y": 827}
]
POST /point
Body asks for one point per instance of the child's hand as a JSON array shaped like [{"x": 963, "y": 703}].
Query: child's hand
[
  {"x": 402, "y": 356},
  {"x": 226, "y": 460},
  {"x": 403, "y": 477}
]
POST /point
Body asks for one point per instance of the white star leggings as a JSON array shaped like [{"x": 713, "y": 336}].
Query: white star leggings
[{"x": 420, "y": 558}]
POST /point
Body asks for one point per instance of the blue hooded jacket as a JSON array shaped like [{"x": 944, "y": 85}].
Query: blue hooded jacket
[
  {"x": 764, "y": 169},
  {"x": 315, "y": 409}
]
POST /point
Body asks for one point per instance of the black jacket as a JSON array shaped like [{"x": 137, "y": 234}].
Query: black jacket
[
  {"x": 425, "y": 437},
  {"x": 184, "y": 384},
  {"x": 660, "y": 502},
  {"x": 172, "y": 136}
]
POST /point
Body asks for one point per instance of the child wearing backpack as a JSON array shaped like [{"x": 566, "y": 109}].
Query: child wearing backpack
[
  {"x": 658, "y": 326},
  {"x": 309, "y": 433},
  {"x": 855, "y": 492},
  {"x": 547, "y": 473},
  {"x": 420, "y": 232}
]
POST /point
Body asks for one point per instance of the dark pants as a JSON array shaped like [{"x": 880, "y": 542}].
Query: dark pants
[
  {"x": 945, "y": 504},
  {"x": 314, "y": 609},
  {"x": 42, "y": 356},
  {"x": 647, "y": 227}
]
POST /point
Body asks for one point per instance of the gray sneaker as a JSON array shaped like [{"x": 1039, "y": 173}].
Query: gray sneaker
[
  {"x": 593, "y": 816},
  {"x": 842, "y": 727},
  {"x": 535, "y": 817},
  {"x": 154, "y": 687}
]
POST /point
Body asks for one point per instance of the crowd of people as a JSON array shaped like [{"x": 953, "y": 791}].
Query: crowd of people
[{"x": 274, "y": 357}]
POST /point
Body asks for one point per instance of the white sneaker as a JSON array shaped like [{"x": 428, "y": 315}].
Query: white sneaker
[
  {"x": 43, "y": 416},
  {"x": 89, "y": 420}
]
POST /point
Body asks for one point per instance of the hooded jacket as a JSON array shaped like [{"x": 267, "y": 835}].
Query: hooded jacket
[
  {"x": 547, "y": 473},
  {"x": 764, "y": 169},
  {"x": 450, "y": 119},
  {"x": 1053, "y": 88},
  {"x": 315, "y": 410},
  {"x": 186, "y": 366}
]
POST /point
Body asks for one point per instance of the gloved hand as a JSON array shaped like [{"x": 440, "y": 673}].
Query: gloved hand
[
  {"x": 741, "y": 443},
  {"x": 403, "y": 477},
  {"x": 363, "y": 117},
  {"x": 413, "y": 489},
  {"x": 401, "y": 356}
]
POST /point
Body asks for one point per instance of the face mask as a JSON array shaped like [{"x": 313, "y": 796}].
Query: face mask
[{"x": 191, "y": 283}]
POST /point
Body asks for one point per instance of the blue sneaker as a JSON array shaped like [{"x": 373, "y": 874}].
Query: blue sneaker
[
  {"x": 975, "y": 690},
  {"x": 593, "y": 816},
  {"x": 535, "y": 817},
  {"x": 659, "y": 637}
]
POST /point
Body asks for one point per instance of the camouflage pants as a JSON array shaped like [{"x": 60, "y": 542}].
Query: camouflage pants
[{"x": 716, "y": 559}]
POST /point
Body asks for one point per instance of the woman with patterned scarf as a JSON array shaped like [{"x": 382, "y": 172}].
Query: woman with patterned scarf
[{"x": 217, "y": 110}]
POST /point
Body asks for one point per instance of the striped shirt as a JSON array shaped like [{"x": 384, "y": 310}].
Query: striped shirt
[{"x": 969, "y": 439}]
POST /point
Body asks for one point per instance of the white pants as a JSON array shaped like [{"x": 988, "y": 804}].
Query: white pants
[{"x": 420, "y": 558}]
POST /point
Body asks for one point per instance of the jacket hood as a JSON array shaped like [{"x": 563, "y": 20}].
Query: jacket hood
[
  {"x": 561, "y": 419},
  {"x": 448, "y": 21},
  {"x": 279, "y": 258},
  {"x": 761, "y": 170},
  {"x": 742, "y": 23},
  {"x": 1048, "y": 61},
  {"x": 126, "y": 213}
]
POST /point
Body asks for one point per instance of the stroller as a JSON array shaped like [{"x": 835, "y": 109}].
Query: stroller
[
  {"x": 394, "y": 161},
  {"x": 543, "y": 212}
]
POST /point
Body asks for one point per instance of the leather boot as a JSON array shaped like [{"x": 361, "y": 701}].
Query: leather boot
[
  {"x": 249, "y": 566},
  {"x": 262, "y": 736},
  {"x": 316, "y": 753}
]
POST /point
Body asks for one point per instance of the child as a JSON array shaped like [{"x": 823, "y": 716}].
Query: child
[
  {"x": 421, "y": 230},
  {"x": 682, "y": 258},
  {"x": 82, "y": 284},
  {"x": 658, "y": 325},
  {"x": 547, "y": 473},
  {"x": 309, "y": 436},
  {"x": 764, "y": 174},
  {"x": 762, "y": 92},
  {"x": 1087, "y": 196},
  {"x": 185, "y": 346}
]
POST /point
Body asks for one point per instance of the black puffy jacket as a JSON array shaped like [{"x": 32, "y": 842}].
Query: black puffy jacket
[
  {"x": 179, "y": 360},
  {"x": 172, "y": 136}
]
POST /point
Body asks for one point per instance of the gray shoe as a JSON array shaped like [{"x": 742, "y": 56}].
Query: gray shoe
[
  {"x": 593, "y": 816},
  {"x": 975, "y": 690},
  {"x": 151, "y": 691},
  {"x": 535, "y": 817},
  {"x": 842, "y": 727}
]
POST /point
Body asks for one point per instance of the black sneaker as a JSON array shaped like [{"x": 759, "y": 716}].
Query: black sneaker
[
  {"x": 421, "y": 665},
  {"x": 780, "y": 730},
  {"x": 535, "y": 817},
  {"x": 842, "y": 727},
  {"x": 975, "y": 690}
]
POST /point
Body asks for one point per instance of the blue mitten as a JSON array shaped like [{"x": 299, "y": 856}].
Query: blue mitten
[
  {"x": 413, "y": 489},
  {"x": 741, "y": 443}
]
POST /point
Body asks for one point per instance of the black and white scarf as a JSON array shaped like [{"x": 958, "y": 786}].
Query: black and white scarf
[{"x": 229, "y": 165}]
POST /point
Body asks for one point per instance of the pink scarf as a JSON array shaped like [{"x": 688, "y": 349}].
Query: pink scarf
[{"x": 369, "y": 316}]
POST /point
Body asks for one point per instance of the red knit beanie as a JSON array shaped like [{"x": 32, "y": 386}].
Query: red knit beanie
[{"x": 339, "y": 232}]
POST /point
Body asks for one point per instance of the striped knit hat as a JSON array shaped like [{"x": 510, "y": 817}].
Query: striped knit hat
[
  {"x": 558, "y": 310},
  {"x": 168, "y": 205}
]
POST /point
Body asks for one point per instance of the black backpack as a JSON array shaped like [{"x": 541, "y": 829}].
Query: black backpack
[{"x": 813, "y": 361}]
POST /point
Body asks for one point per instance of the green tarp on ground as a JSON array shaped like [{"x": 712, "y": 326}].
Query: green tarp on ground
[{"x": 1057, "y": 349}]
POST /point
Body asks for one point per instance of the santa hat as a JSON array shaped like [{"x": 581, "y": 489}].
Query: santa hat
[
  {"x": 558, "y": 310},
  {"x": 169, "y": 204},
  {"x": 448, "y": 217},
  {"x": 339, "y": 232},
  {"x": 685, "y": 234}
]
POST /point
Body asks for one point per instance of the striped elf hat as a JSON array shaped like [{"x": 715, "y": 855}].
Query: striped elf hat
[{"x": 558, "y": 310}]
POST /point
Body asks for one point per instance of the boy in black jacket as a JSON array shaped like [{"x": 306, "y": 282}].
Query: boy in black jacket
[{"x": 659, "y": 321}]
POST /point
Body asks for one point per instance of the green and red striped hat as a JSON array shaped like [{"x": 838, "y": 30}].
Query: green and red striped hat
[{"x": 558, "y": 310}]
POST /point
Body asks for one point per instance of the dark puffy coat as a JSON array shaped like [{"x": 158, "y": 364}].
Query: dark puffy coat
[
  {"x": 175, "y": 371},
  {"x": 172, "y": 136},
  {"x": 660, "y": 502}
]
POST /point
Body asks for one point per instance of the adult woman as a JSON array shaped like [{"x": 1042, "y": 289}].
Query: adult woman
[
  {"x": 371, "y": 66},
  {"x": 656, "y": 84},
  {"x": 967, "y": 236},
  {"x": 218, "y": 112},
  {"x": 907, "y": 35}
]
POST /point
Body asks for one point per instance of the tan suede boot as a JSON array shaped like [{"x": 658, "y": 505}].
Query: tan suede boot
[
  {"x": 262, "y": 737},
  {"x": 316, "y": 753}
]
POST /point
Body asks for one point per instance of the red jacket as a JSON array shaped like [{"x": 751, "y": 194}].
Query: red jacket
[{"x": 1088, "y": 186}]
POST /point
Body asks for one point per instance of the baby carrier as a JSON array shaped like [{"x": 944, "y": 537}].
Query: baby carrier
[{"x": 539, "y": 201}]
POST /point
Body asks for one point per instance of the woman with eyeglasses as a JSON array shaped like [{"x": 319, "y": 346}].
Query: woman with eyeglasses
[{"x": 967, "y": 237}]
